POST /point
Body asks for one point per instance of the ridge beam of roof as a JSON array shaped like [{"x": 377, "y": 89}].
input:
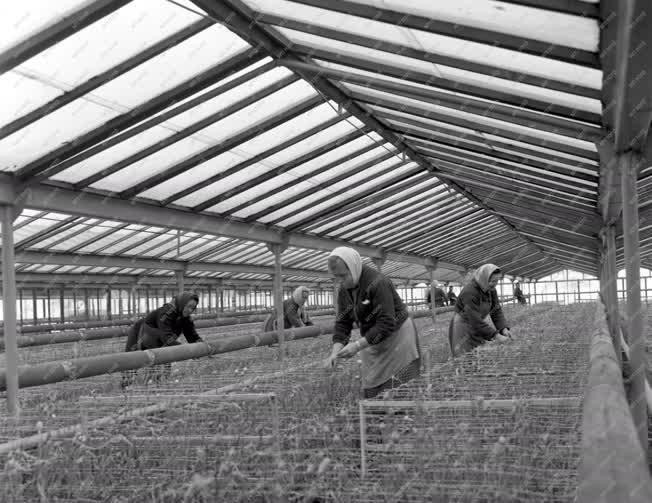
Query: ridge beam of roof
[
  {"x": 47, "y": 197},
  {"x": 246, "y": 27},
  {"x": 84, "y": 16}
]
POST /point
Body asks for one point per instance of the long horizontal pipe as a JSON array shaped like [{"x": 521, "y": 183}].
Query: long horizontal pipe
[
  {"x": 52, "y": 372},
  {"x": 43, "y": 339},
  {"x": 51, "y": 327}
]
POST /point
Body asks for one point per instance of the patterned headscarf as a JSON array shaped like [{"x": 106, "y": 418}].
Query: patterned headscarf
[{"x": 483, "y": 273}]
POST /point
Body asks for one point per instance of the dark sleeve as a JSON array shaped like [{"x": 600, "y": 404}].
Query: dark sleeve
[
  {"x": 497, "y": 315},
  {"x": 381, "y": 296},
  {"x": 291, "y": 310},
  {"x": 306, "y": 319},
  {"x": 190, "y": 332},
  {"x": 343, "y": 320},
  {"x": 470, "y": 303},
  {"x": 164, "y": 320}
]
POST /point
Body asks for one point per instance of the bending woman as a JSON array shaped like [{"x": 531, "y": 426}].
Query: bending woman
[
  {"x": 478, "y": 316},
  {"x": 294, "y": 312},
  {"x": 389, "y": 345},
  {"x": 161, "y": 328}
]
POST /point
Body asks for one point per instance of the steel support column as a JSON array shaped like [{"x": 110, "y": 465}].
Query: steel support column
[
  {"x": 277, "y": 250},
  {"x": 9, "y": 309},
  {"x": 629, "y": 167}
]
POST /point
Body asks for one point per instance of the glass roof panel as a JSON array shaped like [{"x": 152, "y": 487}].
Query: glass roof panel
[
  {"x": 311, "y": 187},
  {"x": 464, "y": 131},
  {"x": 504, "y": 17},
  {"x": 407, "y": 64},
  {"x": 21, "y": 92},
  {"x": 358, "y": 221},
  {"x": 400, "y": 100},
  {"x": 152, "y": 135},
  {"x": 119, "y": 234},
  {"x": 123, "y": 243},
  {"x": 271, "y": 186},
  {"x": 245, "y": 119},
  {"x": 20, "y": 20},
  {"x": 150, "y": 247},
  {"x": 47, "y": 243},
  {"x": 356, "y": 183},
  {"x": 438, "y": 44},
  {"x": 245, "y": 151},
  {"x": 100, "y": 46},
  {"x": 461, "y": 153},
  {"x": 122, "y": 94},
  {"x": 266, "y": 165},
  {"x": 172, "y": 67}
]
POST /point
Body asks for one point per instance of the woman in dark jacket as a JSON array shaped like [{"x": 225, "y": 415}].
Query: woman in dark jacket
[
  {"x": 161, "y": 328},
  {"x": 389, "y": 344},
  {"x": 518, "y": 293},
  {"x": 478, "y": 316}
]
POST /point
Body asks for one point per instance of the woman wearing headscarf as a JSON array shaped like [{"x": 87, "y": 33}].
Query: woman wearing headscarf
[
  {"x": 163, "y": 326},
  {"x": 478, "y": 316},
  {"x": 389, "y": 346},
  {"x": 294, "y": 313},
  {"x": 518, "y": 293}
]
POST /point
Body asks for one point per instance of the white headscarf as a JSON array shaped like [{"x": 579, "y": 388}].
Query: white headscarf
[
  {"x": 483, "y": 273},
  {"x": 297, "y": 295},
  {"x": 352, "y": 260}
]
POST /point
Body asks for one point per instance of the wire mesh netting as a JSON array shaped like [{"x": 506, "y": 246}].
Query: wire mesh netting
[{"x": 463, "y": 431}]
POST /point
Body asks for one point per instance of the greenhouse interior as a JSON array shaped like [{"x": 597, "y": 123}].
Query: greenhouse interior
[{"x": 326, "y": 251}]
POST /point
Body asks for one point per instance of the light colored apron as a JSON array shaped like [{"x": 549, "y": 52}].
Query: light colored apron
[{"x": 383, "y": 360}]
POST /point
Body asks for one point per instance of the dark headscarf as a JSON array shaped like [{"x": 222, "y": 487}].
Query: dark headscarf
[{"x": 182, "y": 299}]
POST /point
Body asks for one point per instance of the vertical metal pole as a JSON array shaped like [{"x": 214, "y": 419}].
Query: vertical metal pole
[
  {"x": 363, "y": 441},
  {"x": 74, "y": 305},
  {"x": 278, "y": 300},
  {"x": 134, "y": 303},
  {"x": 49, "y": 306},
  {"x": 431, "y": 271},
  {"x": 557, "y": 291},
  {"x": 180, "y": 282},
  {"x": 611, "y": 288},
  {"x": 62, "y": 304},
  {"x": 629, "y": 164},
  {"x": 534, "y": 292},
  {"x": 20, "y": 303},
  {"x": 9, "y": 310},
  {"x": 109, "y": 300},
  {"x": 35, "y": 305}
]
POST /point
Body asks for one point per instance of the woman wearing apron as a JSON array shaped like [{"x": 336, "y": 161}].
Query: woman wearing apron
[
  {"x": 389, "y": 346},
  {"x": 478, "y": 316}
]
